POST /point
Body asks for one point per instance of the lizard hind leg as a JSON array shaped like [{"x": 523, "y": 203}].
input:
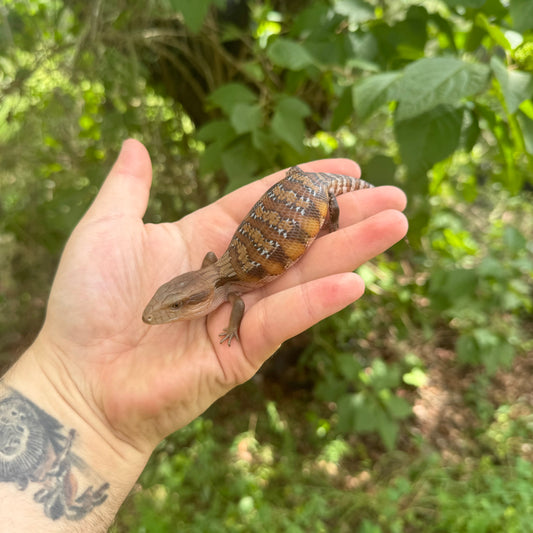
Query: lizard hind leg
[{"x": 332, "y": 222}]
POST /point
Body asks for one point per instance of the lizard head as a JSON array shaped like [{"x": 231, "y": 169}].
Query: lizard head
[{"x": 185, "y": 297}]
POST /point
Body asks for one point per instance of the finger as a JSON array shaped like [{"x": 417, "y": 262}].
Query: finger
[
  {"x": 358, "y": 243},
  {"x": 358, "y": 205},
  {"x": 278, "y": 317},
  {"x": 126, "y": 189}
]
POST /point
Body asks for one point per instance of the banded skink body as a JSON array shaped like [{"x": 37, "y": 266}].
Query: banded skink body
[{"x": 272, "y": 237}]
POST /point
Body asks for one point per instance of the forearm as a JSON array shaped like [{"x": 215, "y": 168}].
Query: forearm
[{"x": 60, "y": 468}]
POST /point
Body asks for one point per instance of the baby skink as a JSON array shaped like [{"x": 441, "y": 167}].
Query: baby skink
[{"x": 272, "y": 237}]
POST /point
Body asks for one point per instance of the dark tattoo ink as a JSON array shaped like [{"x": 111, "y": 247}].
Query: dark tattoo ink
[{"x": 35, "y": 449}]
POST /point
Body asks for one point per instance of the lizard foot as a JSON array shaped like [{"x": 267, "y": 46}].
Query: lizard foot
[{"x": 228, "y": 334}]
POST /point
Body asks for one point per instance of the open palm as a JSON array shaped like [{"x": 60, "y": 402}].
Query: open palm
[{"x": 147, "y": 381}]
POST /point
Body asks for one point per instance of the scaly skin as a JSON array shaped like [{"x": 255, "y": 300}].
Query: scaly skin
[{"x": 272, "y": 237}]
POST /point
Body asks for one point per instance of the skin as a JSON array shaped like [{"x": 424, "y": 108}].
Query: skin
[{"x": 124, "y": 385}]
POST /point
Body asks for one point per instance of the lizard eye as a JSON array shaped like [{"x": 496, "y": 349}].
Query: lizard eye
[{"x": 175, "y": 305}]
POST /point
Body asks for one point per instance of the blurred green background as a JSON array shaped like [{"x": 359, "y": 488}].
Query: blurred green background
[{"x": 409, "y": 411}]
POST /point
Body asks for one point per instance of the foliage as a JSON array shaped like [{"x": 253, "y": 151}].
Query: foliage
[
  {"x": 63, "y": 114},
  {"x": 454, "y": 80},
  {"x": 374, "y": 407},
  {"x": 434, "y": 96},
  {"x": 471, "y": 292},
  {"x": 279, "y": 476},
  {"x": 482, "y": 286}
]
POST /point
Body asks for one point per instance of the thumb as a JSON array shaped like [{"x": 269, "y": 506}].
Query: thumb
[{"x": 126, "y": 189}]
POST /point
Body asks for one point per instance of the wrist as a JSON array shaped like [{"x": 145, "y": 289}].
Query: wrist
[{"x": 64, "y": 460}]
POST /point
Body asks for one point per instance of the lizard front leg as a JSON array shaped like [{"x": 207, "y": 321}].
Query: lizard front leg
[
  {"x": 237, "y": 312},
  {"x": 209, "y": 259}
]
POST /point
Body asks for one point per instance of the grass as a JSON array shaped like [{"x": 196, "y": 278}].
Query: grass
[{"x": 265, "y": 469}]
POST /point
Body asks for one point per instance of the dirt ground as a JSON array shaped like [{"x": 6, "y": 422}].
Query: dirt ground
[{"x": 443, "y": 407}]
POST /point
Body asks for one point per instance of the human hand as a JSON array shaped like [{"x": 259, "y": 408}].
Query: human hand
[{"x": 143, "y": 382}]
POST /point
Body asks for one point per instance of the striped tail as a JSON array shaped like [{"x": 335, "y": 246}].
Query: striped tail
[{"x": 341, "y": 184}]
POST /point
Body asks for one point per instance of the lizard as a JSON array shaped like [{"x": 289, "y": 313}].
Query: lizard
[{"x": 271, "y": 238}]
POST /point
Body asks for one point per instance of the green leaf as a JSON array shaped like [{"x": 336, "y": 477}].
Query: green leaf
[
  {"x": 362, "y": 51},
  {"x": 526, "y": 125},
  {"x": 492, "y": 350},
  {"x": 467, "y": 350},
  {"x": 470, "y": 131},
  {"x": 388, "y": 431},
  {"x": 522, "y": 14},
  {"x": 240, "y": 162},
  {"x": 328, "y": 52},
  {"x": 229, "y": 95},
  {"x": 494, "y": 31},
  {"x": 315, "y": 18},
  {"x": 490, "y": 267},
  {"x": 517, "y": 86},
  {"x": 216, "y": 130},
  {"x": 369, "y": 527},
  {"x": 449, "y": 287},
  {"x": 330, "y": 388},
  {"x": 416, "y": 378},
  {"x": 264, "y": 143},
  {"x": 287, "y": 122},
  {"x": 446, "y": 28},
  {"x": 356, "y": 11},
  {"x": 460, "y": 283},
  {"x": 358, "y": 412},
  {"x": 383, "y": 376},
  {"x": 465, "y": 3},
  {"x": 289, "y": 129},
  {"x": 254, "y": 70},
  {"x": 347, "y": 406},
  {"x": 289, "y": 54},
  {"x": 380, "y": 170},
  {"x": 510, "y": 176},
  {"x": 293, "y": 106},
  {"x": 348, "y": 366},
  {"x": 211, "y": 158},
  {"x": 429, "y": 82},
  {"x": 219, "y": 134},
  {"x": 485, "y": 337},
  {"x": 428, "y": 138},
  {"x": 366, "y": 412},
  {"x": 194, "y": 13},
  {"x": 343, "y": 110},
  {"x": 398, "y": 407},
  {"x": 246, "y": 117},
  {"x": 513, "y": 239},
  {"x": 373, "y": 92}
]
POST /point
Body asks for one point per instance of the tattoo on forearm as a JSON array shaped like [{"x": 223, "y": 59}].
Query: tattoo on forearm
[{"x": 35, "y": 449}]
